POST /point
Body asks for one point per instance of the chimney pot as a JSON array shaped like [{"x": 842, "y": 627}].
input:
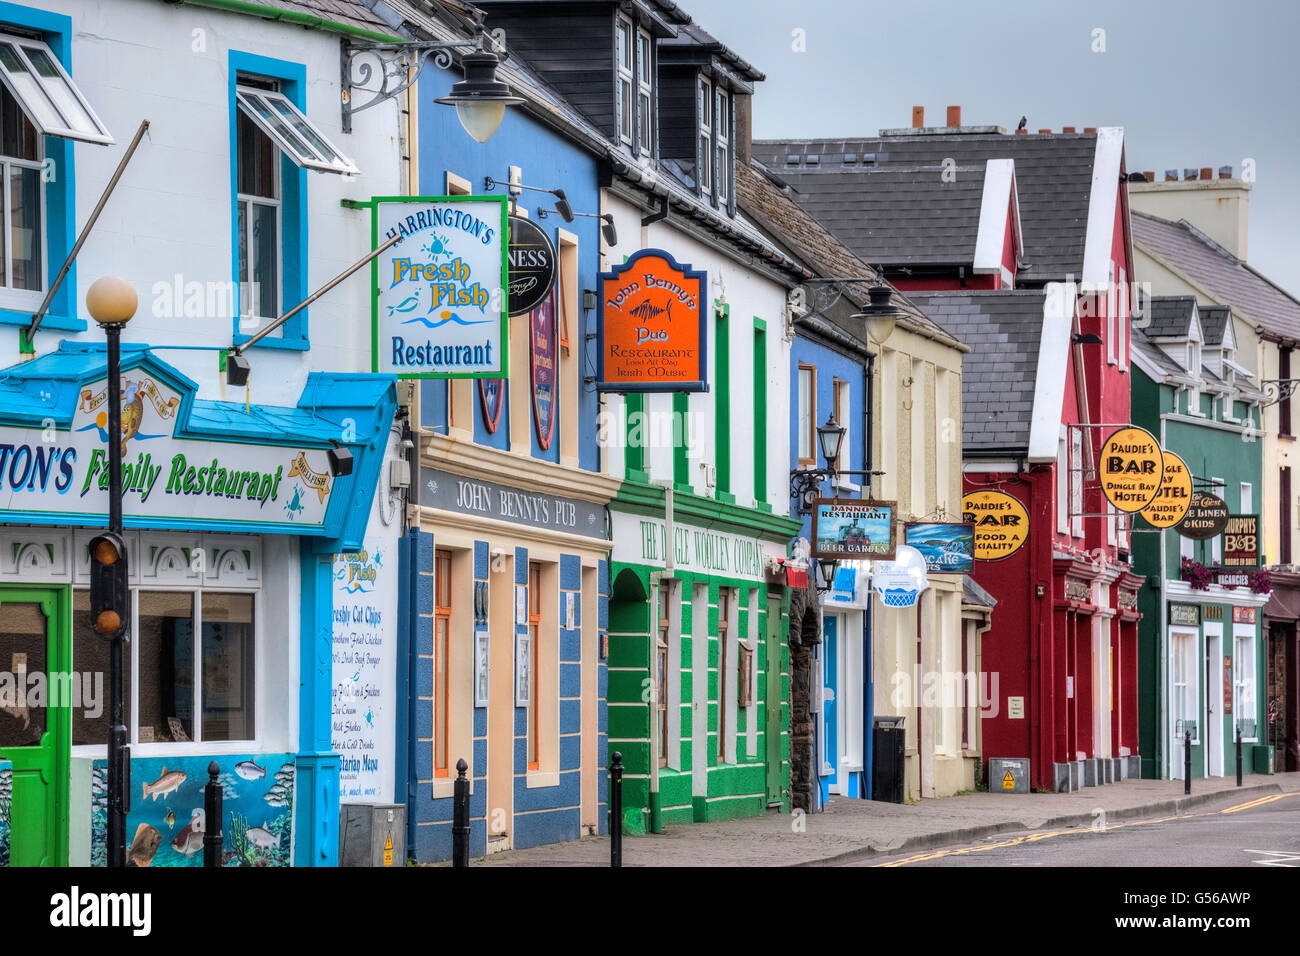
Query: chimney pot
[
  {"x": 1171, "y": 175},
  {"x": 954, "y": 116},
  {"x": 1149, "y": 175},
  {"x": 1225, "y": 172},
  {"x": 1067, "y": 129},
  {"x": 1044, "y": 132},
  {"x": 918, "y": 117},
  {"x": 1189, "y": 175},
  {"x": 1022, "y": 132},
  {"x": 1207, "y": 172},
  {"x": 1090, "y": 129}
]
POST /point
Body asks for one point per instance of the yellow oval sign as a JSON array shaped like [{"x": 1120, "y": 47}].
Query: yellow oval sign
[
  {"x": 1131, "y": 468},
  {"x": 1001, "y": 523},
  {"x": 1175, "y": 494}
]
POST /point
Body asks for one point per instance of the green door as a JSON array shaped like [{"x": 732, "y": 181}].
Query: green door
[
  {"x": 775, "y": 723},
  {"x": 35, "y": 639}
]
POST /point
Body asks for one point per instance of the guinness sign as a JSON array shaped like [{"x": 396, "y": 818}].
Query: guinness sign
[{"x": 532, "y": 265}]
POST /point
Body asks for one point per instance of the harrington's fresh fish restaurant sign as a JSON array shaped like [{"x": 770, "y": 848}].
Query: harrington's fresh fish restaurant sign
[
  {"x": 46, "y": 473},
  {"x": 440, "y": 301}
]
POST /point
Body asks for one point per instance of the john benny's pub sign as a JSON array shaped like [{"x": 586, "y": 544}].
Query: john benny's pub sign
[{"x": 47, "y": 474}]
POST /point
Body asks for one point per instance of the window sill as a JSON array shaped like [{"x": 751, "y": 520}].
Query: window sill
[
  {"x": 63, "y": 323},
  {"x": 537, "y": 779},
  {"x": 295, "y": 345}
]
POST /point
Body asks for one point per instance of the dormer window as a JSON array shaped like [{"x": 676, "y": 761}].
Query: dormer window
[
  {"x": 706, "y": 136},
  {"x": 625, "y": 80},
  {"x": 644, "y": 99},
  {"x": 635, "y": 100},
  {"x": 722, "y": 131}
]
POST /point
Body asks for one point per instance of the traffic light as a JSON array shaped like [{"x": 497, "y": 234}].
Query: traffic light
[{"x": 110, "y": 607}]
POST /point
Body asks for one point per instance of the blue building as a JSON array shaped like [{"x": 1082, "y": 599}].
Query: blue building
[{"x": 508, "y": 570}]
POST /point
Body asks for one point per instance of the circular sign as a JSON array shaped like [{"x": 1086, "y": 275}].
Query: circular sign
[
  {"x": 1174, "y": 497},
  {"x": 901, "y": 581},
  {"x": 1131, "y": 468},
  {"x": 1206, "y": 516},
  {"x": 531, "y": 265},
  {"x": 1001, "y": 523}
]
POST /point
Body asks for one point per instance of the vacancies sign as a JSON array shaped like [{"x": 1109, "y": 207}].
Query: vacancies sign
[
  {"x": 440, "y": 302},
  {"x": 167, "y": 481},
  {"x": 651, "y": 334}
]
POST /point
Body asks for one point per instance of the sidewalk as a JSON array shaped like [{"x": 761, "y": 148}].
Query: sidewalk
[{"x": 853, "y": 829}]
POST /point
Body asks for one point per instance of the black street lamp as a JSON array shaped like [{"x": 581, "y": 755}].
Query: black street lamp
[
  {"x": 112, "y": 302},
  {"x": 828, "y": 567}
]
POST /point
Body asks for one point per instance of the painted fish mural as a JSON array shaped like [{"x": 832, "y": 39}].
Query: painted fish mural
[
  {"x": 250, "y": 771},
  {"x": 190, "y": 840},
  {"x": 166, "y": 783},
  {"x": 144, "y": 845}
]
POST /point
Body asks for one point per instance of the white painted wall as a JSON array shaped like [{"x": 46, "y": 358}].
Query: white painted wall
[{"x": 171, "y": 213}]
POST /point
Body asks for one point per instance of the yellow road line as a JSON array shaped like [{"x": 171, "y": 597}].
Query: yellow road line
[{"x": 1256, "y": 803}]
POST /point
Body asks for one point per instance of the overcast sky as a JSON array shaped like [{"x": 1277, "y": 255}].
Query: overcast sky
[{"x": 1193, "y": 82}]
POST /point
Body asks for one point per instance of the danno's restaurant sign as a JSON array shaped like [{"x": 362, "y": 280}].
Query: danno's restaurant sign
[
  {"x": 651, "y": 334},
  {"x": 166, "y": 481},
  {"x": 853, "y": 528},
  {"x": 440, "y": 303}
]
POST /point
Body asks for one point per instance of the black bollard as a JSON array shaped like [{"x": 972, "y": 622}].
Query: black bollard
[
  {"x": 1187, "y": 761},
  {"x": 460, "y": 817},
  {"x": 616, "y": 811},
  {"x": 212, "y": 838},
  {"x": 1239, "y": 755}
]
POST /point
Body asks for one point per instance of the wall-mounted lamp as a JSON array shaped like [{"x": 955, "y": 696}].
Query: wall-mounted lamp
[
  {"x": 828, "y": 567},
  {"x": 340, "y": 460},
  {"x": 561, "y": 201},
  {"x": 880, "y": 314},
  {"x": 480, "y": 98},
  {"x": 606, "y": 221}
]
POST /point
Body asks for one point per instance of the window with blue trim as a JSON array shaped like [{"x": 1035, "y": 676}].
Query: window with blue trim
[
  {"x": 41, "y": 112},
  {"x": 273, "y": 145}
]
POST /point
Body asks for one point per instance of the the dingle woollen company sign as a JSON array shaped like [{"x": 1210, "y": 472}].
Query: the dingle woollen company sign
[
  {"x": 1206, "y": 517},
  {"x": 533, "y": 266},
  {"x": 1001, "y": 523},
  {"x": 651, "y": 334},
  {"x": 1131, "y": 468},
  {"x": 1175, "y": 496}
]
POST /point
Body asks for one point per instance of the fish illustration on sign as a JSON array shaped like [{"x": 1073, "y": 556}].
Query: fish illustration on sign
[
  {"x": 648, "y": 310},
  {"x": 294, "y": 505},
  {"x": 190, "y": 840},
  {"x": 262, "y": 837},
  {"x": 144, "y": 846},
  {"x": 409, "y": 304},
  {"x": 166, "y": 783},
  {"x": 170, "y": 819},
  {"x": 250, "y": 771}
]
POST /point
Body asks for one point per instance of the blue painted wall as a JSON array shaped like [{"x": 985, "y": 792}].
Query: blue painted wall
[{"x": 548, "y": 161}]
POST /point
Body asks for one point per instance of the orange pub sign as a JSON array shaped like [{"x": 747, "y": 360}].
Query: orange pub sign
[{"x": 651, "y": 333}]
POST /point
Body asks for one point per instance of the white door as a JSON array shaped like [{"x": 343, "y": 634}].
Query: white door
[
  {"x": 1214, "y": 700},
  {"x": 1183, "y": 708}
]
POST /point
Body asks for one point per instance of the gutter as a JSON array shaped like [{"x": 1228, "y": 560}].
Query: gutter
[{"x": 307, "y": 20}]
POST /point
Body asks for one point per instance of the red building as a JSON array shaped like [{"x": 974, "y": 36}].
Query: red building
[{"x": 1019, "y": 246}]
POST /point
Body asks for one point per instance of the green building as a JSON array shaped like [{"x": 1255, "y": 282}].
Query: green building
[{"x": 1201, "y": 655}]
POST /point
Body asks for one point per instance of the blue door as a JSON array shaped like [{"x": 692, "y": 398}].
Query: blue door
[{"x": 830, "y": 704}]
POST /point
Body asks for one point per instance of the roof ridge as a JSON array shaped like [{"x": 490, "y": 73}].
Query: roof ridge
[{"x": 1186, "y": 224}]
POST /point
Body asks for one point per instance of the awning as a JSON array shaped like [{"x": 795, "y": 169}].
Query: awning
[
  {"x": 188, "y": 463},
  {"x": 1284, "y": 600}
]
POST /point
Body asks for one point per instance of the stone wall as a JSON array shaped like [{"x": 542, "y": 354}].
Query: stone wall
[{"x": 805, "y": 632}]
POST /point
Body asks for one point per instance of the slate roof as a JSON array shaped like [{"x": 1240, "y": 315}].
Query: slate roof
[
  {"x": 1155, "y": 355},
  {"x": 694, "y": 35},
  {"x": 351, "y": 13},
  {"x": 906, "y": 215},
  {"x": 1170, "y": 316},
  {"x": 1227, "y": 278},
  {"x": 768, "y": 205},
  {"x": 1053, "y": 180},
  {"x": 1214, "y": 318},
  {"x": 974, "y": 595},
  {"x": 1003, "y": 329}
]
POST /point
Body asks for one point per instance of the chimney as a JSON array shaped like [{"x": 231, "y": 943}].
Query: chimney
[
  {"x": 744, "y": 117},
  {"x": 954, "y": 116},
  {"x": 918, "y": 117},
  {"x": 1225, "y": 172},
  {"x": 1218, "y": 206},
  {"x": 1149, "y": 175},
  {"x": 1090, "y": 129},
  {"x": 1022, "y": 132},
  {"x": 1207, "y": 172},
  {"x": 1189, "y": 175},
  {"x": 1067, "y": 129},
  {"x": 1171, "y": 175},
  {"x": 1044, "y": 132}
]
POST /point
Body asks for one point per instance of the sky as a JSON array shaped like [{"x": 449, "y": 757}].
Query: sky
[{"x": 1194, "y": 83}]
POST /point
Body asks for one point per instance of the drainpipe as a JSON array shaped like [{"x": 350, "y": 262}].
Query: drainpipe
[
  {"x": 868, "y": 685},
  {"x": 1158, "y": 758},
  {"x": 656, "y": 581}
]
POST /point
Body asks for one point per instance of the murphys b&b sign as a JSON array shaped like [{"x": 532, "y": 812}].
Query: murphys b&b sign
[
  {"x": 167, "y": 481},
  {"x": 440, "y": 302},
  {"x": 651, "y": 334}
]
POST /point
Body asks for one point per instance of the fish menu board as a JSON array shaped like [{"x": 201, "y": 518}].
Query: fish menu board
[{"x": 365, "y": 706}]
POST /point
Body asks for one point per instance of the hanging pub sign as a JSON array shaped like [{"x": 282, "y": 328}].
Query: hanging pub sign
[
  {"x": 853, "y": 528},
  {"x": 541, "y": 369},
  {"x": 651, "y": 334},
  {"x": 1171, "y": 502},
  {"x": 900, "y": 582},
  {"x": 946, "y": 547},
  {"x": 1001, "y": 523},
  {"x": 439, "y": 308},
  {"x": 1241, "y": 542},
  {"x": 1131, "y": 468},
  {"x": 532, "y": 265},
  {"x": 1206, "y": 517},
  {"x": 491, "y": 399}
]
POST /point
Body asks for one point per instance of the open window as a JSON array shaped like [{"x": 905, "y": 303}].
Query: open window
[
  {"x": 45, "y": 92},
  {"x": 295, "y": 135}
]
